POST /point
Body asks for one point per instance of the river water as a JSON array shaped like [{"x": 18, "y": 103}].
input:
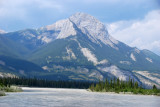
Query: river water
[{"x": 53, "y": 97}]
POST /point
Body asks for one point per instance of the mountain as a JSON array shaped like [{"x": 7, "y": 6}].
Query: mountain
[{"x": 80, "y": 48}]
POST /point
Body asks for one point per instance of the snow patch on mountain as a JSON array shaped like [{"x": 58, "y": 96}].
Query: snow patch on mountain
[
  {"x": 125, "y": 62},
  {"x": 105, "y": 61},
  {"x": 150, "y": 60},
  {"x": 93, "y": 28},
  {"x": 89, "y": 55},
  {"x": 133, "y": 57},
  {"x": 70, "y": 53}
]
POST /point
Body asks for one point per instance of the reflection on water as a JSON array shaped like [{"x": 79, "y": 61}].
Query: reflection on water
[{"x": 52, "y": 97}]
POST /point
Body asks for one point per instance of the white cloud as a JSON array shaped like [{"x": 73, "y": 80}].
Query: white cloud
[
  {"x": 20, "y": 8},
  {"x": 144, "y": 34}
]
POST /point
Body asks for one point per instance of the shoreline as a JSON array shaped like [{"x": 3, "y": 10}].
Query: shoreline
[
  {"x": 120, "y": 93},
  {"x": 2, "y": 93},
  {"x": 87, "y": 90},
  {"x": 10, "y": 89},
  {"x": 50, "y": 88}
]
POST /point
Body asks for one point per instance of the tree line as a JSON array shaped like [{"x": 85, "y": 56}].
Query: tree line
[
  {"x": 117, "y": 85},
  {"x": 34, "y": 82}
]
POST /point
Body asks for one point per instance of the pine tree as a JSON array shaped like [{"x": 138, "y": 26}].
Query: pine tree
[{"x": 154, "y": 87}]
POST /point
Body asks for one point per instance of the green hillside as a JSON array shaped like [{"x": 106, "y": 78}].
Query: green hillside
[
  {"x": 18, "y": 66},
  {"x": 9, "y": 48}
]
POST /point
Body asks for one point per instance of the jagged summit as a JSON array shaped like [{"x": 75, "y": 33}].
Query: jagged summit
[
  {"x": 93, "y": 28},
  {"x": 89, "y": 25},
  {"x": 84, "y": 18}
]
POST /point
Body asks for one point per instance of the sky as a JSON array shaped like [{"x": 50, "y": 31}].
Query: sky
[{"x": 134, "y": 22}]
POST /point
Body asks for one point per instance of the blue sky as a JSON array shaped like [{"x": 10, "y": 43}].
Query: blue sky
[
  {"x": 21, "y": 14},
  {"x": 134, "y": 22}
]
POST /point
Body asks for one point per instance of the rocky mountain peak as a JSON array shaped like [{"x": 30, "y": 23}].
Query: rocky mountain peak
[
  {"x": 93, "y": 28},
  {"x": 89, "y": 25}
]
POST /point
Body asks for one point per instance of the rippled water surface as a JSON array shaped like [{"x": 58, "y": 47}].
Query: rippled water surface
[{"x": 52, "y": 97}]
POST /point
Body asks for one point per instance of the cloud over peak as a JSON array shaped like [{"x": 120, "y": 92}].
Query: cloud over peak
[{"x": 144, "y": 33}]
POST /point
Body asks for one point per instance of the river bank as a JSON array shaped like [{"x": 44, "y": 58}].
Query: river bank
[
  {"x": 119, "y": 86},
  {"x": 120, "y": 93},
  {"x": 2, "y": 93},
  {"x": 4, "y": 89}
]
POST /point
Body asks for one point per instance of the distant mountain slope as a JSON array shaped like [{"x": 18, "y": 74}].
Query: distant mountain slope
[
  {"x": 10, "y": 48},
  {"x": 27, "y": 38},
  {"x": 18, "y": 66}
]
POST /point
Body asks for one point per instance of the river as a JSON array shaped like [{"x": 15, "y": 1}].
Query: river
[{"x": 54, "y": 97}]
